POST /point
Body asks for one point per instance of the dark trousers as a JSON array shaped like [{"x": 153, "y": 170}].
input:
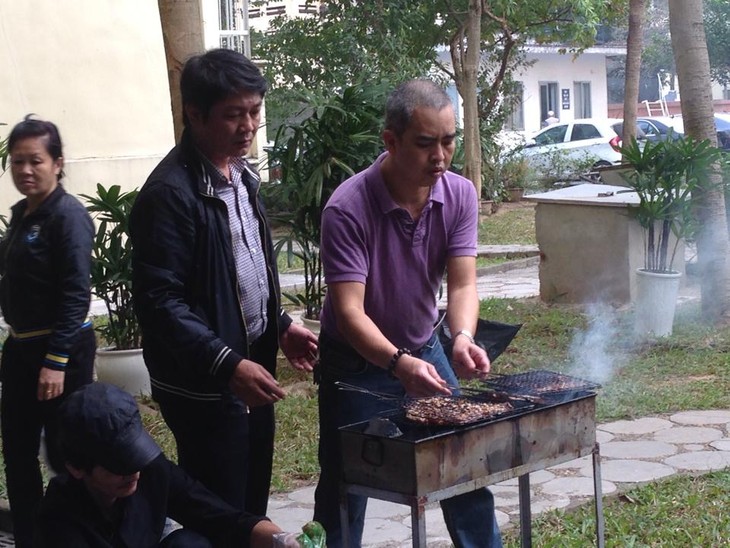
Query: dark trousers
[
  {"x": 185, "y": 538},
  {"x": 227, "y": 449},
  {"x": 23, "y": 417}
]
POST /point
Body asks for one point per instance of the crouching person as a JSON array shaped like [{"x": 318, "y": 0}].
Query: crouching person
[{"x": 120, "y": 488}]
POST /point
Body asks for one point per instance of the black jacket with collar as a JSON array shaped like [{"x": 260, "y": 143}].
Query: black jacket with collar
[
  {"x": 69, "y": 517},
  {"x": 185, "y": 283},
  {"x": 45, "y": 263}
]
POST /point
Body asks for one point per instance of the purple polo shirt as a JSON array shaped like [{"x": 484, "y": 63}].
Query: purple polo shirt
[{"x": 368, "y": 238}]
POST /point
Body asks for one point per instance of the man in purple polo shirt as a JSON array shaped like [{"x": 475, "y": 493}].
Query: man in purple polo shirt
[{"x": 388, "y": 235}]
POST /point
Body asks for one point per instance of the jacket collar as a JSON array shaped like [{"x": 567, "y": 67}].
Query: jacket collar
[
  {"x": 45, "y": 206},
  {"x": 208, "y": 174}
]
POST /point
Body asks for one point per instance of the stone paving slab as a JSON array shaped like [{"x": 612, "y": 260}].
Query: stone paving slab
[
  {"x": 637, "y": 427},
  {"x": 632, "y": 471},
  {"x": 720, "y": 416},
  {"x": 640, "y": 449},
  {"x": 689, "y": 434}
]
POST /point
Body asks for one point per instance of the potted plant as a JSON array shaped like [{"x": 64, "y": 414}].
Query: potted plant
[
  {"x": 119, "y": 361},
  {"x": 327, "y": 141},
  {"x": 663, "y": 175}
]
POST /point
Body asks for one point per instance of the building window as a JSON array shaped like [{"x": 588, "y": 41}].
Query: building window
[
  {"x": 582, "y": 94},
  {"x": 272, "y": 11},
  {"x": 516, "y": 118},
  {"x": 254, "y": 13},
  {"x": 233, "y": 26},
  {"x": 308, "y": 9},
  {"x": 548, "y": 100}
]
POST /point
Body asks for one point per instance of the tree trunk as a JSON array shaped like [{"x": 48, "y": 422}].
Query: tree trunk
[
  {"x": 693, "y": 71},
  {"x": 472, "y": 141},
  {"x": 637, "y": 14},
  {"x": 182, "y": 32}
]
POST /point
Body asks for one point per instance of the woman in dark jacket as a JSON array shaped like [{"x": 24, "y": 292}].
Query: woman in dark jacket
[{"x": 45, "y": 262}]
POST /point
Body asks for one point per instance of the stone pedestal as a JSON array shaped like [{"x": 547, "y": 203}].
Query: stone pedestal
[{"x": 590, "y": 244}]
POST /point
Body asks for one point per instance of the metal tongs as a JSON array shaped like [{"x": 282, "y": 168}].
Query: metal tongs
[
  {"x": 354, "y": 388},
  {"x": 498, "y": 395}
]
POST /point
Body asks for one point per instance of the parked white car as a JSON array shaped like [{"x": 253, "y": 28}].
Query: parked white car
[{"x": 588, "y": 142}]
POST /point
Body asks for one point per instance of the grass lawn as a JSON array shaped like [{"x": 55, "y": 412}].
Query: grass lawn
[
  {"x": 681, "y": 511},
  {"x": 513, "y": 223}
]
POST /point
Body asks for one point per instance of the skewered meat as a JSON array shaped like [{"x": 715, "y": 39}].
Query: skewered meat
[{"x": 452, "y": 410}]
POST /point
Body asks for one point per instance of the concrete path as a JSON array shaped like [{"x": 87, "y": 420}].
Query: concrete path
[{"x": 632, "y": 453}]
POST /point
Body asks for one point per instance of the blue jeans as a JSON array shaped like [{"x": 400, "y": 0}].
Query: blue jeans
[{"x": 469, "y": 518}]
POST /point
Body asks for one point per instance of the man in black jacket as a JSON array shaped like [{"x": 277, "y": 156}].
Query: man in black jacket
[
  {"x": 120, "y": 487},
  {"x": 206, "y": 288}
]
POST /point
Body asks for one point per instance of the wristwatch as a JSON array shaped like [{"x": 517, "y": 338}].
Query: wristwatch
[{"x": 467, "y": 334}]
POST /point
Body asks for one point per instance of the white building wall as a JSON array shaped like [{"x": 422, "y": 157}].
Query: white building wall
[
  {"x": 564, "y": 70},
  {"x": 259, "y": 18},
  {"x": 97, "y": 69}
]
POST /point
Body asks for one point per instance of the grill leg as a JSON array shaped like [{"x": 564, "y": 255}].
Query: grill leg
[
  {"x": 598, "y": 495},
  {"x": 525, "y": 511},
  {"x": 418, "y": 525}
]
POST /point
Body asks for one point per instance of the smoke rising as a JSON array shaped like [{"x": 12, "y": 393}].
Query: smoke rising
[{"x": 597, "y": 351}]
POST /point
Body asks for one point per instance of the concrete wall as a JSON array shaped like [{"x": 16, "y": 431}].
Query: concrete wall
[
  {"x": 590, "y": 253},
  {"x": 97, "y": 69},
  {"x": 616, "y": 110}
]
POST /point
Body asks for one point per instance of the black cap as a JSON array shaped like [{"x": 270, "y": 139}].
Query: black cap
[{"x": 102, "y": 422}]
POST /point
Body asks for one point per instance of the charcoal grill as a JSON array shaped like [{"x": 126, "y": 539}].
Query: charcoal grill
[{"x": 429, "y": 464}]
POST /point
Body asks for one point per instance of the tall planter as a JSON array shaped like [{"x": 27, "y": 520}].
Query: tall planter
[
  {"x": 656, "y": 302},
  {"x": 123, "y": 368}
]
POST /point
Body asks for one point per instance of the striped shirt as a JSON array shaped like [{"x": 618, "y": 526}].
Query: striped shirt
[{"x": 253, "y": 285}]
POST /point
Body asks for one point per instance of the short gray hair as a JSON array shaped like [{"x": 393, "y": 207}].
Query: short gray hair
[{"x": 407, "y": 97}]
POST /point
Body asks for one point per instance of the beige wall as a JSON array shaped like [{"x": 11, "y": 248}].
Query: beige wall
[{"x": 97, "y": 69}]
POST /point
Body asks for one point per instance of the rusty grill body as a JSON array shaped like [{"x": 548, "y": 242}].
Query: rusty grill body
[
  {"x": 428, "y": 464},
  {"x": 427, "y": 459}
]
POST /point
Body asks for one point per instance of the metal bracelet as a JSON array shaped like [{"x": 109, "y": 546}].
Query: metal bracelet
[{"x": 467, "y": 334}]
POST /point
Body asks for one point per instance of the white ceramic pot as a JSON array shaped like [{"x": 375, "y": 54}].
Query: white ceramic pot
[
  {"x": 312, "y": 325},
  {"x": 123, "y": 368},
  {"x": 656, "y": 301}
]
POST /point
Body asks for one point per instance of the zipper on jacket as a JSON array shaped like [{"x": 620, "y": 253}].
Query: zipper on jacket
[{"x": 211, "y": 196}]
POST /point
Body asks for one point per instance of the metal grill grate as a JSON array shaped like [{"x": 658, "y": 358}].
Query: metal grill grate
[{"x": 539, "y": 382}]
